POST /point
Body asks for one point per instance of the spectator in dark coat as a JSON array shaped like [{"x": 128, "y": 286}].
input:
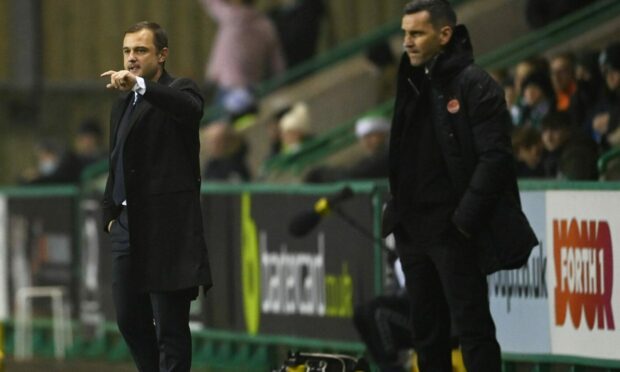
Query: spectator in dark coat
[
  {"x": 87, "y": 145},
  {"x": 58, "y": 165},
  {"x": 538, "y": 99},
  {"x": 226, "y": 153},
  {"x": 49, "y": 169},
  {"x": 590, "y": 87},
  {"x": 528, "y": 149},
  {"x": 570, "y": 153},
  {"x": 606, "y": 122},
  {"x": 298, "y": 23},
  {"x": 372, "y": 133}
]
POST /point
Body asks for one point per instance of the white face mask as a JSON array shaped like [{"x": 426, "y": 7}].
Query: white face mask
[{"x": 47, "y": 167}]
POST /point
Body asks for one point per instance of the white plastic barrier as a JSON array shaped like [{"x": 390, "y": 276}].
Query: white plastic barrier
[{"x": 61, "y": 323}]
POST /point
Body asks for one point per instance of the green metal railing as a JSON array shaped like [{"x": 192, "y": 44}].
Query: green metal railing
[
  {"x": 562, "y": 30},
  {"x": 606, "y": 159}
]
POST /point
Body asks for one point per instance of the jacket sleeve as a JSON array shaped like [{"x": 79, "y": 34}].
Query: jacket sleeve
[
  {"x": 182, "y": 98},
  {"x": 493, "y": 168}
]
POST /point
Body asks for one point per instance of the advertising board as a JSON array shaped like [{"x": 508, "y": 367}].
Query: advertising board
[
  {"x": 583, "y": 228},
  {"x": 519, "y": 298}
]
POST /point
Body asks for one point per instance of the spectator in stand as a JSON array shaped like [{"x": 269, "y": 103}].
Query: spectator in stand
[
  {"x": 246, "y": 49},
  {"x": 298, "y": 23},
  {"x": 48, "y": 170},
  {"x": 587, "y": 69},
  {"x": 295, "y": 128},
  {"x": 563, "y": 79},
  {"x": 527, "y": 67},
  {"x": 226, "y": 152},
  {"x": 570, "y": 153},
  {"x": 57, "y": 165},
  {"x": 528, "y": 149},
  {"x": 538, "y": 99},
  {"x": 240, "y": 107},
  {"x": 510, "y": 94},
  {"x": 539, "y": 13},
  {"x": 372, "y": 133},
  {"x": 273, "y": 131},
  {"x": 88, "y": 145},
  {"x": 590, "y": 86},
  {"x": 384, "y": 63},
  {"x": 606, "y": 122},
  {"x": 521, "y": 71}
]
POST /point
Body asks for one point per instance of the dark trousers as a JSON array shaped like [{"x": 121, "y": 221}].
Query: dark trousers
[
  {"x": 447, "y": 290},
  {"x": 155, "y": 325}
]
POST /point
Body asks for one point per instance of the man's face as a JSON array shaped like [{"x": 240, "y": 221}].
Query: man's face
[
  {"x": 372, "y": 142},
  {"x": 141, "y": 57},
  {"x": 553, "y": 138},
  {"x": 562, "y": 74},
  {"x": 533, "y": 95},
  {"x": 422, "y": 41},
  {"x": 530, "y": 155},
  {"x": 612, "y": 78},
  {"x": 522, "y": 70}
]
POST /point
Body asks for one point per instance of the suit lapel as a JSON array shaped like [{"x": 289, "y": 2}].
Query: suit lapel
[
  {"x": 117, "y": 115},
  {"x": 140, "y": 109}
]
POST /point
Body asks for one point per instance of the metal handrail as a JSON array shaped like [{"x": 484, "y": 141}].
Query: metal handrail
[{"x": 606, "y": 158}]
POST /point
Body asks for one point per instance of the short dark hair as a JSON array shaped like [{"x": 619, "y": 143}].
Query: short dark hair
[
  {"x": 525, "y": 138},
  {"x": 441, "y": 12},
  {"x": 557, "y": 120},
  {"x": 160, "y": 37},
  {"x": 90, "y": 127}
]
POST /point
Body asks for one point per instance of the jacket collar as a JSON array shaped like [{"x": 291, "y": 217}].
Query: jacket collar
[{"x": 165, "y": 78}]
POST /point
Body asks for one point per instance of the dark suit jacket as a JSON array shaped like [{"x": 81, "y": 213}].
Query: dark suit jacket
[{"x": 162, "y": 182}]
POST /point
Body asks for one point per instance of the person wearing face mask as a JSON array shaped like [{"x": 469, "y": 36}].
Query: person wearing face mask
[
  {"x": 51, "y": 166},
  {"x": 151, "y": 205},
  {"x": 452, "y": 188}
]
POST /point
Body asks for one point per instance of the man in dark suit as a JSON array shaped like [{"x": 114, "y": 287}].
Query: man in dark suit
[
  {"x": 455, "y": 209},
  {"x": 151, "y": 205}
]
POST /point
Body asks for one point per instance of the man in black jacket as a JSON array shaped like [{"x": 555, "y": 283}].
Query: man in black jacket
[
  {"x": 452, "y": 180},
  {"x": 151, "y": 206}
]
